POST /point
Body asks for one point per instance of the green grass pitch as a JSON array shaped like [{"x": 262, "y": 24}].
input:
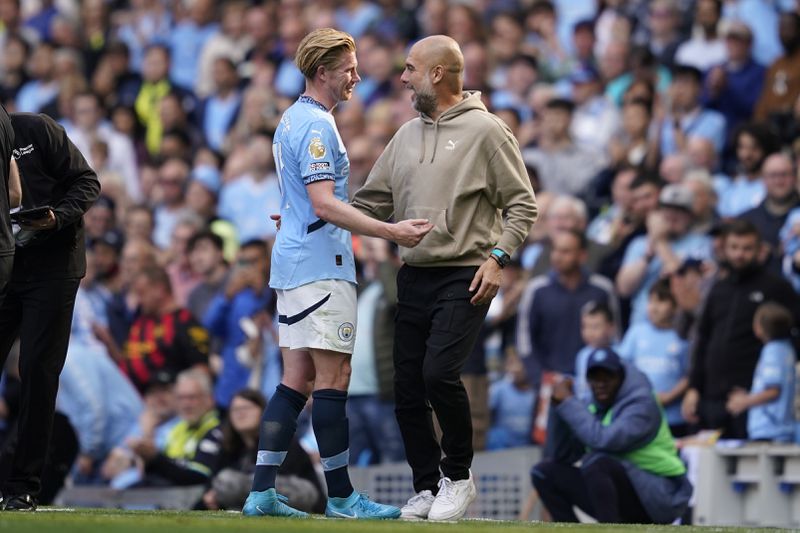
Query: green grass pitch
[{"x": 114, "y": 521}]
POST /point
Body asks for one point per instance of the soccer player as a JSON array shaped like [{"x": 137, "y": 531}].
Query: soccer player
[{"x": 313, "y": 272}]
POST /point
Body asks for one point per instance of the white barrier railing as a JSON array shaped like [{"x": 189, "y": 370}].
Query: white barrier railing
[{"x": 757, "y": 484}]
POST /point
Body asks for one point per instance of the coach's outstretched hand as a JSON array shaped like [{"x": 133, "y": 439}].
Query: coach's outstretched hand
[{"x": 408, "y": 233}]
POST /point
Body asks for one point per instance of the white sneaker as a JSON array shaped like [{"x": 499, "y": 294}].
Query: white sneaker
[
  {"x": 418, "y": 506},
  {"x": 453, "y": 498}
]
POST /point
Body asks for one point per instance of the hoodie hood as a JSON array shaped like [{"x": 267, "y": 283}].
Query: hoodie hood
[{"x": 471, "y": 101}]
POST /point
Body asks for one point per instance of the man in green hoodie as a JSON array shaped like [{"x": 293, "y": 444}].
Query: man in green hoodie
[{"x": 460, "y": 167}]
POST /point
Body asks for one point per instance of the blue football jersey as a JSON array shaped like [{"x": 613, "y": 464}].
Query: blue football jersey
[{"x": 307, "y": 148}]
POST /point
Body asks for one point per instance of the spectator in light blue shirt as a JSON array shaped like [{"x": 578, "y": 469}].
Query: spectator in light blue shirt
[
  {"x": 668, "y": 242},
  {"x": 249, "y": 199},
  {"x": 356, "y": 17},
  {"x": 146, "y": 27},
  {"x": 186, "y": 42},
  {"x": 218, "y": 112},
  {"x": 687, "y": 118},
  {"x": 42, "y": 89},
  {"x": 754, "y": 143},
  {"x": 661, "y": 354},
  {"x": 769, "y": 404},
  {"x": 511, "y": 402},
  {"x": 101, "y": 404}
]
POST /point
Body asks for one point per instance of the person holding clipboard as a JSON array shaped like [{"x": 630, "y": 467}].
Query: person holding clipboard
[{"x": 58, "y": 187}]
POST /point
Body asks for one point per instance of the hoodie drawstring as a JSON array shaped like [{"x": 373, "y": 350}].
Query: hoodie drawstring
[
  {"x": 422, "y": 152},
  {"x": 435, "y": 139}
]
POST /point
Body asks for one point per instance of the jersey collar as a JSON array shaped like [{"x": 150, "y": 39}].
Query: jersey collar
[{"x": 305, "y": 99}]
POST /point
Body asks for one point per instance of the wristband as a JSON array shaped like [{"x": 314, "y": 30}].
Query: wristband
[{"x": 500, "y": 257}]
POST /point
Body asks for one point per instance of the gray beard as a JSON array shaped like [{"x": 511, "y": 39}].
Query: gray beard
[{"x": 425, "y": 103}]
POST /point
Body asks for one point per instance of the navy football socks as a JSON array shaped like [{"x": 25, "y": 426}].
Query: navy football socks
[
  {"x": 278, "y": 426},
  {"x": 329, "y": 417}
]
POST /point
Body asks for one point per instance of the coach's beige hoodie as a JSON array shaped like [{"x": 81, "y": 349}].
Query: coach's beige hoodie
[{"x": 462, "y": 172}]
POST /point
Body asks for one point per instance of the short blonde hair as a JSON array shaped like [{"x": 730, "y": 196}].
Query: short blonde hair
[{"x": 322, "y": 47}]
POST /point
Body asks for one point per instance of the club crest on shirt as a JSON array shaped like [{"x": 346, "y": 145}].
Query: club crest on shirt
[
  {"x": 316, "y": 148},
  {"x": 346, "y": 331}
]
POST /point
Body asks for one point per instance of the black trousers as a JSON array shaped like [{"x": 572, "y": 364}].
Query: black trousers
[
  {"x": 599, "y": 487},
  {"x": 40, "y": 313},
  {"x": 6, "y": 265},
  {"x": 435, "y": 331},
  {"x": 58, "y": 462},
  {"x": 714, "y": 415}
]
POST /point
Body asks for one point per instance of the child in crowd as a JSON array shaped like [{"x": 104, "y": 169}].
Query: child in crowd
[
  {"x": 511, "y": 405},
  {"x": 661, "y": 354},
  {"x": 769, "y": 405},
  {"x": 597, "y": 331}
]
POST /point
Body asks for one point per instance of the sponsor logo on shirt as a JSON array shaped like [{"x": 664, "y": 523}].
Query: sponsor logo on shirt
[
  {"x": 319, "y": 167},
  {"x": 24, "y": 150}
]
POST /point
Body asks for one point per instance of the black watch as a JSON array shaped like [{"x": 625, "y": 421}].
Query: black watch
[{"x": 501, "y": 257}]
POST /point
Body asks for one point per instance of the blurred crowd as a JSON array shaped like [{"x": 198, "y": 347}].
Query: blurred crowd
[{"x": 660, "y": 136}]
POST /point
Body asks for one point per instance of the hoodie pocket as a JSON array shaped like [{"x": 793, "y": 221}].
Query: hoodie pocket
[{"x": 439, "y": 243}]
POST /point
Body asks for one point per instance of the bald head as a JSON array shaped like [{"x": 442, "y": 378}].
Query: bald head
[{"x": 441, "y": 51}]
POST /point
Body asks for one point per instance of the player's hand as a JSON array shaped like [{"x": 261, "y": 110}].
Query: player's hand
[
  {"x": 689, "y": 406},
  {"x": 737, "y": 401},
  {"x": 487, "y": 280},
  {"x": 277, "y": 219},
  {"x": 40, "y": 224},
  {"x": 409, "y": 233}
]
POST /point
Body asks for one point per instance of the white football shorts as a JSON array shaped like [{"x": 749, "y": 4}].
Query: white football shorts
[{"x": 320, "y": 314}]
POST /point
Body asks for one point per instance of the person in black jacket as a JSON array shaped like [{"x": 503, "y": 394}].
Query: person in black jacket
[
  {"x": 726, "y": 351},
  {"x": 10, "y": 196},
  {"x": 49, "y": 262}
]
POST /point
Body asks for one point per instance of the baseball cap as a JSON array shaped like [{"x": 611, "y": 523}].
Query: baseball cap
[
  {"x": 584, "y": 74},
  {"x": 676, "y": 195},
  {"x": 604, "y": 358},
  {"x": 208, "y": 177}
]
